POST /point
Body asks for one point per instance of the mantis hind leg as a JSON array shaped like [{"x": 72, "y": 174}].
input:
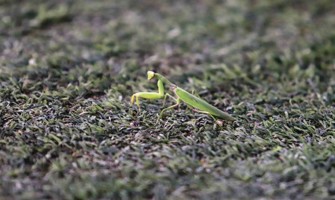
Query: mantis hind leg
[
  {"x": 204, "y": 112},
  {"x": 218, "y": 122}
]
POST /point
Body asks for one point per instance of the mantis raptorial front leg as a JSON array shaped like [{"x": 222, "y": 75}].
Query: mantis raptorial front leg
[
  {"x": 148, "y": 95},
  {"x": 154, "y": 95}
]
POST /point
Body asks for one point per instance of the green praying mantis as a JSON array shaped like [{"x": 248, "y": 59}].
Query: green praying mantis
[{"x": 196, "y": 103}]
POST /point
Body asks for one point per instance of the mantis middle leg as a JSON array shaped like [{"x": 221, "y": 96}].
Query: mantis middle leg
[{"x": 170, "y": 107}]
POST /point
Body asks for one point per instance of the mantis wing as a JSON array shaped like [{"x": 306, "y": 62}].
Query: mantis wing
[{"x": 201, "y": 104}]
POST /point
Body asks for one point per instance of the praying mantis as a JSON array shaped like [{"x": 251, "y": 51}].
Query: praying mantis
[{"x": 196, "y": 103}]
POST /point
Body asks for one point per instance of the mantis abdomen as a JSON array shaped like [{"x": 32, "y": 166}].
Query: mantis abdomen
[{"x": 201, "y": 104}]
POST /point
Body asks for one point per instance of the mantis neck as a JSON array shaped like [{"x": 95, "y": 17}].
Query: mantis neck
[{"x": 163, "y": 79}]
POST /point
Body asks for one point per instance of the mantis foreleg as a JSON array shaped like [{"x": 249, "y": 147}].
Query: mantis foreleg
[{"x": 148, "y": 95}]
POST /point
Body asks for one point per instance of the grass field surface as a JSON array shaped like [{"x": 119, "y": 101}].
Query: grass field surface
[{"x": 68, "y": 69}]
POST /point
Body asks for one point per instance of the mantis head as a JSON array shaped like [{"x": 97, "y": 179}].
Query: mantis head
[{"x": 150, "y": 74}]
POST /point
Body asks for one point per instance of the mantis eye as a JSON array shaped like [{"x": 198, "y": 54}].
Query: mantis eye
[{"x": 151, "y": 74}]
